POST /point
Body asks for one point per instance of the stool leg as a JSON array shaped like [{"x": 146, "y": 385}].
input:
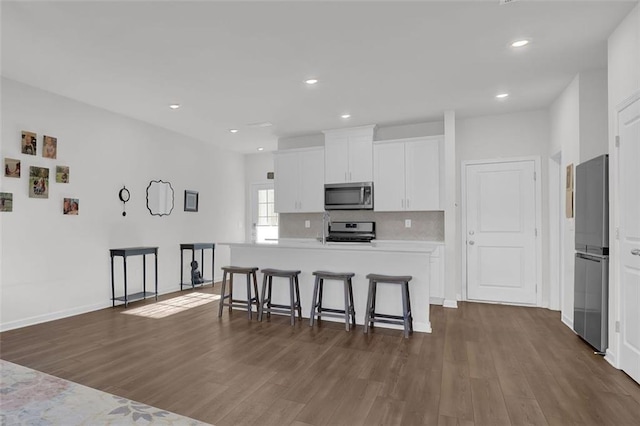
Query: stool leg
[
  {"x": 346, "y": 304},
  {"x": 410, "y": 310},
  {"x": 224, "y": 286},
  {"x": 298, "y": 298},
  {"x": 352, "y": 305},
  {"x": 367, "y": 314},
  {"x": 249, "y": 295},
  {"x": 373, "y": 303},
  {"x": 269, "y": 296},
  {"x": 255, "y": 290},
  {"x": 264, "y": 289},
  {"x": 405, "y": 311},
  {"x": 314, "y": 300},
  {"x": 320, "y": 299},
  {"x": 292, "y": 301},
  {"x": 230, "y": 290}
]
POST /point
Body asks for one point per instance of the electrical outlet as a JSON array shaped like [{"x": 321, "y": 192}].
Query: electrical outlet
[
  {"x": 307, "y": 224},
  {"x": 407, "y": 223}
]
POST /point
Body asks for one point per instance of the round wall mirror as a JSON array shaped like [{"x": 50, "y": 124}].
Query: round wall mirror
[{"x": 159, "y": 198}]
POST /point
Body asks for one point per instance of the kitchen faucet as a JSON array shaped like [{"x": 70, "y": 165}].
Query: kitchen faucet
[{"x": 326, "y": 222}]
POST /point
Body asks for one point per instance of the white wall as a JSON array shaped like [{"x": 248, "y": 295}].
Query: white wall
[
  {"x": 565, "y": 138},
  {"x": 520, "y": 134},
  {"x": 593, "y": 114},
  {"x": 55, "y": 265},
  {"x": 623, "y": 82}
]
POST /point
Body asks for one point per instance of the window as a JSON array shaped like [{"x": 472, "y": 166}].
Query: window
[{"x": 265, "y": 218}]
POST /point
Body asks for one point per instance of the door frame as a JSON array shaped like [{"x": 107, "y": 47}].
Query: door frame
[
  {"x": 253, "y": 202},
  {"x": 538, "y": 219},
  {"x": 615, "y": 295}
]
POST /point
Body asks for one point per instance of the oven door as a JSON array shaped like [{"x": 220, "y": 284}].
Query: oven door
[{"x": 348, "y": 196}]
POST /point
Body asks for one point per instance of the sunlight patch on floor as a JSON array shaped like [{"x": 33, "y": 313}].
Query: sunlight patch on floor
[{"x": 168, "y": 307}]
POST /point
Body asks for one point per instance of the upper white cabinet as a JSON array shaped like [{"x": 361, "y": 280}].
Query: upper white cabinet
[
  {"x": 349, "y": 155},
  {"x": 299, "y": 181},
  {"x": 407, "y": 174}
]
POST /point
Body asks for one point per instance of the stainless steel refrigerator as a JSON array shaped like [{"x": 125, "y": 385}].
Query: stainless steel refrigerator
[{"x": 590, "y": 314}]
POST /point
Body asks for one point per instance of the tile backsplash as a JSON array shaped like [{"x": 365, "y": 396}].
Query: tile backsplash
[{"x": 426, "y": 226}]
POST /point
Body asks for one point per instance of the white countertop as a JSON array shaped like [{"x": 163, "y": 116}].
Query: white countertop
[{"x": 377, "y": 245}]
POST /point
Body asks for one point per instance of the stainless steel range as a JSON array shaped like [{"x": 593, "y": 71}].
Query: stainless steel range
[{"x": 352, "y": 232}]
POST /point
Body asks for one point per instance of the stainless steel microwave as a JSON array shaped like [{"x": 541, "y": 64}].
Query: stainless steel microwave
[{"x": 348, "y": 196}]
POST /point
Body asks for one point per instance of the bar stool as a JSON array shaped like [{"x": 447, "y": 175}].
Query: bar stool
[
  {"x": 294, "y": 294},
  {"x": 372, "y": 316},
  {"x": 316, "y": 303},
  {"x": 235, "y": 303}
]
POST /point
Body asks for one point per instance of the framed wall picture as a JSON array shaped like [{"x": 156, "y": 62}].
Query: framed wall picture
[
  {"x": 49, "y": 147},
  {"x": 6, "y": 202},
  {"x": 62, "y": 174},
  {"x": 11, "y": 167},
  {"x": 28, "y": 143},
  {"x": 38, "y": 182},
  {"x": 71, "y": 206},
  {"x": 190, "y": 201}
]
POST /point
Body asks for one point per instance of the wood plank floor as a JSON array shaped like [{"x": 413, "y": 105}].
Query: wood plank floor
[{"x": 482, "y": 365}]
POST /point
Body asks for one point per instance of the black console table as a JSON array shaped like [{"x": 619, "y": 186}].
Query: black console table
[
  {"x": 193, "y": 247},
  {"x": 134, "y": 251}
]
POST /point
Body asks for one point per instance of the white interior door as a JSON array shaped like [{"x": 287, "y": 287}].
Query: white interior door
[
  {"x": 629, "y": 158},
  {"x": 501, "y": 232}
]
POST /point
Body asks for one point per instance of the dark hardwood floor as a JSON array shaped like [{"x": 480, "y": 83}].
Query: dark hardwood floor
[{"x": 482, "y": 365}]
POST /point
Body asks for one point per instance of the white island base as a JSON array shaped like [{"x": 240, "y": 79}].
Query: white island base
[{"x": 387, "y": 259}]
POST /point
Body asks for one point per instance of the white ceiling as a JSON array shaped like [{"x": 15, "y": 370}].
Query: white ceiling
[{"x": 233, "y": 63}]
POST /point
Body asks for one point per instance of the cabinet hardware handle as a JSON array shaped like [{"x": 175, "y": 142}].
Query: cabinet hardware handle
[
  {"x": 345, "y": 176},
  {"x": 350, "y": 178},
  {"x": 408, "y": 203},
  {"x": 471, "y": 243},
  {"x": 635, "y": 252},
  {"x": 402, "y": 202}
]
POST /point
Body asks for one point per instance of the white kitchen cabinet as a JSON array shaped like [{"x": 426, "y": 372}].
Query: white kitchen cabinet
[
  {"x": 349, "y": 155},
  {"x": 407, "y": 174},
  {"x": 299, "y": 181}
]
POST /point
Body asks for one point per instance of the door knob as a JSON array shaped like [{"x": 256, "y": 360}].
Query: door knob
[
  {"x": 471, "y": 243},
  {"x": 471, "y": 232},
  {"x": 635, "y": 252}
]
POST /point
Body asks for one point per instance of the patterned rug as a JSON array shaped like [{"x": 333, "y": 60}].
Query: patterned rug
[{"x": 29, "y": 397}]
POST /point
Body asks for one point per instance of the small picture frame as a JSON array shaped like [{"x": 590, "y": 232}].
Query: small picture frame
[
  {"x": 49, "y": 147},
  {"x": 29, "y": 145},
  {"x": 62, "y": 174},
  {"x": 11, "y": 167},
  {"x": 6, "y": 202},
  {"x": 190, "y": 201}
]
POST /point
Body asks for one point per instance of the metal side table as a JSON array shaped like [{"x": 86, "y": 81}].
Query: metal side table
[
  {"x": 134, "y": 251},
  {"x": 194, "y": 247}
]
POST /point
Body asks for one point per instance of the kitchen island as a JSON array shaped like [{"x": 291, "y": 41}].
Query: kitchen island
[{"x": 384, "y": 257}]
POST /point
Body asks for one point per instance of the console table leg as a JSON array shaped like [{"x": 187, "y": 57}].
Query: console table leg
[
  {"x": 124, "y": 260},
  {"x": 113, "y": 287}
]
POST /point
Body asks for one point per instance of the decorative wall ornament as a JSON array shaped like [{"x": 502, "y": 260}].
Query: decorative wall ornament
[
  {"x": 38, "y": 182},
  {"x": 190, "y": 201},
  {"x": 29, "y": 144},
  {"x": 11, "y": 167},
  {"x": 124, "y": 196},
  {"x": 62, "y": 174},
  {"x": 6, "y": 202},
  {"x": 159, "y": 198},
  {"x": 71, "y": 206},
  {"x": 49, "y": 147}
]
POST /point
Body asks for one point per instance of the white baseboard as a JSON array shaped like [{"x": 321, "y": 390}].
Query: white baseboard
[
  {"x": 610, "y": 357},
  {"x": 11, "y": 325},
  {"x": 567, "y": 321},
  {"x": 436, "y": 301},
  {"x": 450, "y": 304}
]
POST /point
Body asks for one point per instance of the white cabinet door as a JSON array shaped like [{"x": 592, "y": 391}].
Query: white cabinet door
[
  {"x": 422, "y": 175},
  {"x": 360, "y": 159},
  {"x": 336, "y": 156},
  {"x": 388, "y": 183},
  {"x": 286, "y": 183},
  {"x": 311, "y": 166}
]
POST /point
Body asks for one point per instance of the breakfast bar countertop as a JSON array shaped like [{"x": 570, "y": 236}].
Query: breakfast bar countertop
[{"x": 396, "y": 246}]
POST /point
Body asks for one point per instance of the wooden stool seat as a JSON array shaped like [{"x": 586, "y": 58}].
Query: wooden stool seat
[
  {"x": 316, "y": 304},
  {"x": 371, "y": 316},
  {"x": 250, "y": 272},
  {"x": 294, "y": 294}
]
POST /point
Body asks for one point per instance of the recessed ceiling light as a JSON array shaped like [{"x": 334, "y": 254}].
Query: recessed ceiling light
[
  {"x": 233, "y": 130},
  {"x": 519, "y": 43},
  {"x": 311, "y": 81},
  {"x": 502, "y": 95},
  {"x": 346, "y": 116},
  {"x": 174, "y": 106},
  {"x": 261, "y": 149}
]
